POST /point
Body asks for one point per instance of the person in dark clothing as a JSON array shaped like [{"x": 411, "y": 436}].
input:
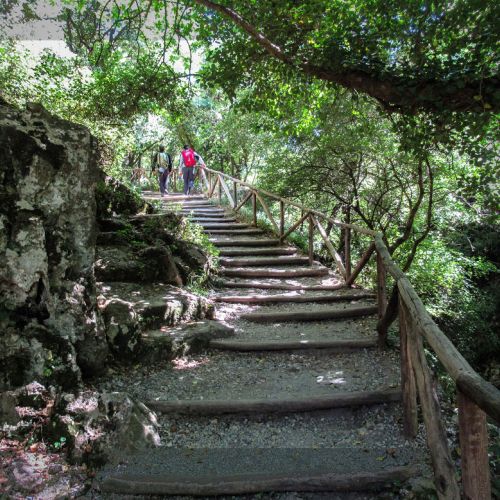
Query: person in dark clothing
[{"x": 163, "y": 163}]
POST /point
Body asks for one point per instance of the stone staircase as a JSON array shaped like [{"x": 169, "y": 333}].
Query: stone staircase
[{"x": 299, "y": 400}]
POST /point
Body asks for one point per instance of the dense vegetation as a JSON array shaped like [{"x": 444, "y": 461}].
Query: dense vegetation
[{"x": 387, "y": 108}]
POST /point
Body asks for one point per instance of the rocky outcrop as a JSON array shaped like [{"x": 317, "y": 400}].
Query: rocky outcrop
[
  {"x": 115, "y": 198},
  {"x": 51, "y": 328},
  {"x": 98, "y": 427},
  {"x": 141, "y": 265},
  {"x": 137, "y": 265},
  {"x": 91, "y": 427},
  {"x": 48, "y": 174},
  {"x": 134, "y": 312}
]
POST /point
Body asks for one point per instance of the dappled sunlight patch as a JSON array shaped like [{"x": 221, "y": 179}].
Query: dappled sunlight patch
[
  {"x": 331, "y": 378},
  {"x": 185, "y": 363}
]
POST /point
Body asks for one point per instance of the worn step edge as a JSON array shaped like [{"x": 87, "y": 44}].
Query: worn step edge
[
  {"x": 276, "y": 317},
  {"x": 219, "y": 407},
  {"x": 222, "y": 221},
  {"x": 232, "y": 231},
  {"x": 286, "y": 345},
  {"x": 214, "y": 218},
  {"x": 275, "y": 273},
  {"x": 192, "y": 214},
  {"x": 240, "y": 484},
  {"x": 301, "y": 299},
  {"x": 277, "y": 286},
  {"x": 208, "y": 209},
  {"x": 248, "y": 252},
  {"x": 244, "y": 243},
  {"x": 270, "y": 261},
  {"x": 223, "y": 225},
  {"x": 181, "y": 199},
  {"x": 193, "y": 208}
]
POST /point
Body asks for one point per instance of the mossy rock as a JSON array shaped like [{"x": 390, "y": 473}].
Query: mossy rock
[{"x": 114, "y": 198}]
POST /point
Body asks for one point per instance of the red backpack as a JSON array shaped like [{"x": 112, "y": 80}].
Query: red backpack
[{"x": 188, "y": 157}]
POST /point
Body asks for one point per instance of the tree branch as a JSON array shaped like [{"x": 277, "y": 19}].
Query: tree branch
[{"x": 401, "y": 94}]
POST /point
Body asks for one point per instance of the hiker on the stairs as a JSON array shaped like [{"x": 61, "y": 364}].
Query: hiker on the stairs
[
  {"x": 162, "y": 162},
  {"x": 187, "y": 163}
]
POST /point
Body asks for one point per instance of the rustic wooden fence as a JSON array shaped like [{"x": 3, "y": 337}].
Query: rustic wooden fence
[{"x": 476, "y": 397}]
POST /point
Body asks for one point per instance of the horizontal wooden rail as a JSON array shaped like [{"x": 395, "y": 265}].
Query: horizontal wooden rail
[
  {"x": 286, "y": 201},
  {"x": 476, "y": 397},
  {"x": 484, "y": 394}
]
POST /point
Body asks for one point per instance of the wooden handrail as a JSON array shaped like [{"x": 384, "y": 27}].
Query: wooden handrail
[
  {"x": 476, "y": 397},
  {"x": 484, "y": 394},
  {"x": 286, "y": 201}
]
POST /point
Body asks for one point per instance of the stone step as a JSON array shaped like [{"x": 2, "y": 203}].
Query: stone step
[
  {"x": 265, "y": 261},
  {"x": 225, "y": 224},
  {"x": 337, "y": 345},
  {"x": 223, "y": 220},
  {"x": 278, "y": 405},
  {"x": 295, "y": 298},
  {"x": 174, "y": 198},
  {"x": 277, "y": 286},
  {"x": 204, "y": 208},
  {"x": 320, "y": 315},
  {"x": 218, "y": 242},
  {"x": 196, "y": 206},
  {"x": 216, "y": 214},
  {"x": 177, "y": 198},
  {"x": 244, "y": 252},
  {"x": 234, "y": 231},
  {"x": 246, "y": 471},
  {"x": 274, "y": 273}
]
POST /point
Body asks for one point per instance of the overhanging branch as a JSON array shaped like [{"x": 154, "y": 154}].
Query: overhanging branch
[{"x": 394, "y": 94}]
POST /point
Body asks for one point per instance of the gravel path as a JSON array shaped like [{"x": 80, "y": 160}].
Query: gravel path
[
  {"x": 358, "y": 428},
  {"x": 273, "y": 375},
  {"x": 346, "y": 329}
]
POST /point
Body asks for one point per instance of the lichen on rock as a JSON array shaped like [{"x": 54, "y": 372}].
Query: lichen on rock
[{"x": 48, "y": 174}]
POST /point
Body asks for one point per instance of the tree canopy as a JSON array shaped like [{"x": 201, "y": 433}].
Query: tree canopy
[
  {"x": 386, "y": 108},
  {"x": 408, "y": 55}
]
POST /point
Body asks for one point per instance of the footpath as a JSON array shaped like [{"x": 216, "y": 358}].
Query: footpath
[{"x": 299, "y": 399}]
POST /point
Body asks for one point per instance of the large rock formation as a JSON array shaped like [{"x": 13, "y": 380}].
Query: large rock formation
[
  {"x": 48, "y": 173},
  {"x": 51, "y": 328}
]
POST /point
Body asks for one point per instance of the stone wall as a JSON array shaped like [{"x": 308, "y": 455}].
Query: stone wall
[{"x": 48, "y": 173}]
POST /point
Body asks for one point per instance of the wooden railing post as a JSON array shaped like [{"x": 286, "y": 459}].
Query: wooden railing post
[
  {"x": 347, "y": 244},
  {"x": 444, "y": 470},
  {"x": 254, "y": 208},
  {"x": 329, "y": 246},
  {"x": 282, "y": 220},
  {"x": 473, "y": 450},
  {"x": 408, "y": 386},
  {"x": 220, "y": 190},
  {"x": 361, "y": 264},
  {"x": 209, "y": 190},
  {"x": 311, "y": 240},
  {"x": 381, "y": 294},
  {"x": 235, "y": 194}
]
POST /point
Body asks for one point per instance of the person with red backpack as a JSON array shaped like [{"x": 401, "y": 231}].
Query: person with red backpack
[{"x": 187, "y": 163}]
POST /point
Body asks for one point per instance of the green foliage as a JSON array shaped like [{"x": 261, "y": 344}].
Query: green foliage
[
  {"x": 447, "y": 281},
  {"x": 59, "y": 444},
  {"x": 114, "y": 197},
  {"x": 194, "y": 234},
  {"x": 426, "y": 177},
  {"x": 441, "y": 47}
]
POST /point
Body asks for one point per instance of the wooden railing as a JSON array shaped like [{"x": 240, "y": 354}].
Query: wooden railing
[{"x": 476, "y": 397}]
